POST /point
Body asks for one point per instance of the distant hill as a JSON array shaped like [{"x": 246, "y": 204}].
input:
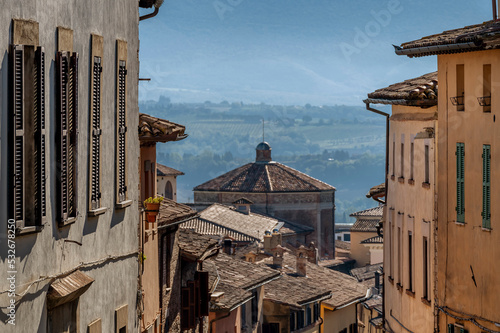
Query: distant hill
[{"x": 289, "y": 52}]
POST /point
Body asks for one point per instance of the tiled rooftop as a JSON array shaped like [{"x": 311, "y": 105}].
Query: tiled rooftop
[
  {"x": 342, "y": 245},
  {"x": 293, "y": 290},
  {"x": 194, "y": 245},
  {"x": 420, "y": 91},
  {"x": 264, "y": 177},
  {"x": 375, "y": 211},
  {"x": 373, "y": 240},
  {"x": 376, "y": 191},
  {"x": 367, "y": 272},
  {"x": 218, "y": 219},
  {"x": 231, "y": 298},
  {"x": 365, "y": 225},
  {"x": 242, "y": 274},
  {"x": 344, "y": 288},
  {"x": 482, "y": 36},
  {"x": 152, "y": 129},
  {"x": 171, "y": 211},
  {"x": 163, "y": 170}
]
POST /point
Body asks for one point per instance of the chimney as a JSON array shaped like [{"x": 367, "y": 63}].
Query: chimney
[
  {"x": 275, "y": 238},
  {"x": 267, "y": 241},
  {"x": 250, "y": 256},
  {"x": 278, "y": 256},
  {"x": 313, "y": 254},
  {"x": 302, "y": 261}
]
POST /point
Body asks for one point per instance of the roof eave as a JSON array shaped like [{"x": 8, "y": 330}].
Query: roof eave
[{"x": 405, "y": 102}]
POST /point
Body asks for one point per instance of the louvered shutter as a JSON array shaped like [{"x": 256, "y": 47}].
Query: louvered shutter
[
  {"x": 18, "y": 135},
  {"x": 41, "y": 207},
  {"x": 72, "y": 134},
  {"x": 486, "y": 213},
  {"x": 204, "y": 299},
  {"x": 95, "y": 188},
  {"x": 122, "y": 130},
  {"x": 62, "y": 78},
  {"x": 460, "y": 154},
  {"x": 192, "y": 304},
  {"x": 185, "y": 313}
]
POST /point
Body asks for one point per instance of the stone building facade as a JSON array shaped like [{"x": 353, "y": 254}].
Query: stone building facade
[
  {"x": 277, "y": 190},
  {"x": 69, "y": 173}
]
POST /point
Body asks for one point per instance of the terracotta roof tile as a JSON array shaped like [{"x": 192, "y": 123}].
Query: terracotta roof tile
[
  {"x": 153, "y": 129},
  {"x": 264, "y": 177},
  {"x": 195, "y": 245},
  {"x": 419, "y": 91},
  {"x": 294, "y": 290},
  {"x": 376, "y": 191},
  {"x": 482, "y": 36},
  {"x": 373, "y": 240},
  {"x": 171, "y": 211},
  {"x": 342, "y": 245},
  {"x": 232, "y": 297},
  {"x": 365, "y": 225},
  {"x": 367, "y": 272},
  {"x": 163, "y": 170},
  {"x": 375, "y": 211}
]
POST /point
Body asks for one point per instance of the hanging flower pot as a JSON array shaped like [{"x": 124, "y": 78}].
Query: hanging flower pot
[{"x": 152, "y": 208}]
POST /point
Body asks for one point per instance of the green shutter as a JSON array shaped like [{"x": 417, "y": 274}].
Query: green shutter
[
  {"x": 460, "y": 182},
  {"x": 486, "y": 214}
]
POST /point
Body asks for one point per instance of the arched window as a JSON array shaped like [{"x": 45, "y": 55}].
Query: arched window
[{"x": 169, "y": 193}]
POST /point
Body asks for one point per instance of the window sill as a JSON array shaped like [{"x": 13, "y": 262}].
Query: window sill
[
  {"x": 462, "y": 224},
  {"x": 67, "y": 222},
  {"x": 390, "y": 279},
  {"x": 411, "y": 181},
  {"x": 486, "y": 229},
  {"x": 425, "y": 301},
  {"x": 98, "y": 211},
  {"x": 123, "y": 204},
  {"x": 393, "y": 177},
  {"x": 29, "y": 230},
  {"x": 399, "y": 286},
  {"x": 410, "y": 293},
  {"x": 426, "y": 185},
  {"x": 401, "y": 180}
]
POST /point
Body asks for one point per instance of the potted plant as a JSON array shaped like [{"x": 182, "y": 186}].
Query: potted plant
[{"x": 152, "y": 207}]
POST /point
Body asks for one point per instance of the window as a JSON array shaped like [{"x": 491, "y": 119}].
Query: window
[
  {"x": 460, "y": 182},
  {"x": 121, "y": 128},
  {"x": 425, "y": 269},
  {"x": 308, "y": 315},
  {"x": 95, "y": 207},
  {"x": 400, "y": 257},
  {"x": 410, "y": 261},
  {"x": 486, "y": 213},
  {"x": 293, "y": 321},
  {"x": 67, "y": 135},
  {"x": 271, "y": 328},
  {"x": 389, "y": 244},
  {"x": 460, "y": 88},
  {"x": 300, "y": 319},
  {"x": 402, "y": 160},
  {"x": 169, "y": 193},
  {"x": 393, "y": 156},
  {"x": 353, "y": 328},
  {"x": 121, "y": 319},
  {"x": 27, "y": 136},
  {"x": 243, "y": 313},
  {"x": 412, "y": 157},
  {"x": 95, "y": 326},
  {"x": 426, "y": 171},
  {"x": 255, "y": 307},
  {"x": 456, "y": 329},
  {"x": 485, "y": 100},
  {"x": 347, "y": 237},
  {"x": 317, "y": 310}
]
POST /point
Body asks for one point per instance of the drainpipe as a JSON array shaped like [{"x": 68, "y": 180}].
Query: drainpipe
[
  {"x": 157, "y": 6},
  {"x": 386, "y": 115}
]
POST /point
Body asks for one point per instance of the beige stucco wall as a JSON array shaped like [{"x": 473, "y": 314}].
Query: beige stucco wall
[
  {"x": 161, "y": 182},
  {"x": 55, "y": 249},
  {"x": 335, "y": 321},
  {"x": 466, "y": 246},
  {"x": 410, "y": 208},
  {"x": 359, "y": 252},
  {"x": 227, "y": 324}
]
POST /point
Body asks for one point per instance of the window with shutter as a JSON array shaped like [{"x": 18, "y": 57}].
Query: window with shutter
[
  {"x": 486, "y": 213},
  {"x": 460, "y": 153},
  {"x": 95, "y": 138},
  {"x": 67, "y": 128},
  {"x": 204, "y": 297},
  {"x": 185, "y": 309},
  {"x": 27, "y": 145}
]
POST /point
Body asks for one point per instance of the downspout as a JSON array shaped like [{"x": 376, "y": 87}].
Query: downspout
[
  {"x": 386, "y": 115},
  {"x": 157, "y": 6}
]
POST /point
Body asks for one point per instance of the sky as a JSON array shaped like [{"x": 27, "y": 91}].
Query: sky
[{"x": 321, "y": 52}]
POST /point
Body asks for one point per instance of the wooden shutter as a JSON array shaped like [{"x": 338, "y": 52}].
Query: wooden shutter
[
  {"x": 62, "y": 98},
  {"x": 121, "y": 132},
  {"x": 95, "y": 186},
  {"x": 204, "y": 291},
  {"x": 17, "y": 69},
  {"x": 185, "y": 313},
  {"x": 460, "y": 182},
  {"x": 41, "y": 207},
  {"x": 486, "y": 213},
  {"x": 72, "y": 135}
]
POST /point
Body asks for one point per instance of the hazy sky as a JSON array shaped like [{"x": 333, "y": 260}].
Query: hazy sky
[{"x": 289, "y": 52}]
